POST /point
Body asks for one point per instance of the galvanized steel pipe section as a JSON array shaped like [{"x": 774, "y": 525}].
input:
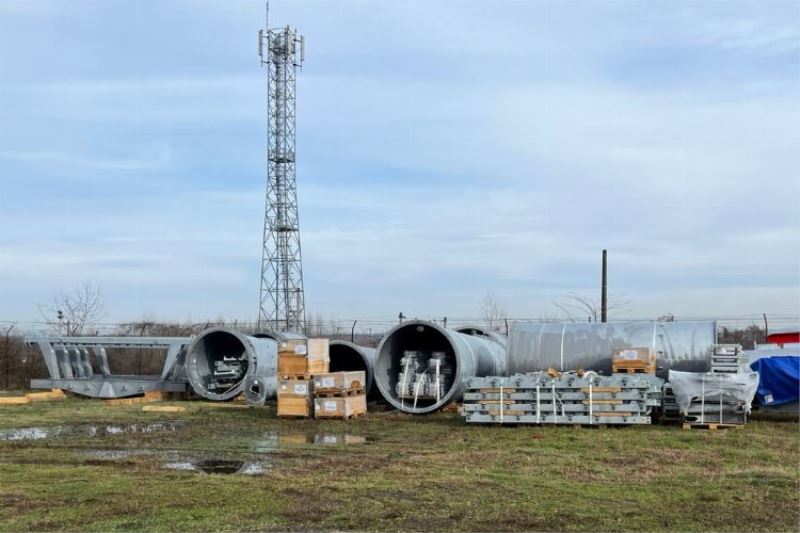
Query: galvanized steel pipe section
[
  {"x": 569, "y": 346},
  {"x": 472, "y": 355},
  {"x": 260, "y": 355},
  {"x": 349, "y": 357}
]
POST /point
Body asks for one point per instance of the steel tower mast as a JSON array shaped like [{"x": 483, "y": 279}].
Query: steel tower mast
[{"x": 281, "y": 302}]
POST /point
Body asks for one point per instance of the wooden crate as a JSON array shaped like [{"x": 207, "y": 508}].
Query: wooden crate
[
  {"x": 295, "y": 407},
  {"x": 340, "y": 382},
  {"x": 340, "y": 407},
  {"x": 295, "y": 398},
  {"x": 307, "y": 359},
  {"x": 295, "y": 346},
  {"x": 633, "y": 360}
]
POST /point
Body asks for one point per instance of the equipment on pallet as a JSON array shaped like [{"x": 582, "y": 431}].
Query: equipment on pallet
[
  {"x": 714, "y": 398},
  {"x": 728, "y": 359},
  {"x": 410, "y": 354},
  {"x": 80, "y": 365},
  {"x": 584, "y": 398},
  {"x": 340, "y": 395}
]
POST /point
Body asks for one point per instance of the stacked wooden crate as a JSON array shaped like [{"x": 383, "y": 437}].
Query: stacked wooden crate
[
  {"x": 568, "y": 398},
  {"x": 340, "y": 395},
  {"x": 633, "y": 361},
  {"x": 299, "y": 360}
]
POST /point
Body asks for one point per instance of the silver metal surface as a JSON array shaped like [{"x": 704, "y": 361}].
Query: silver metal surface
[
  {"x": 349, "y": 357},
  {"x": 69, "y": 363},
  {"x": 219, "y": 360},
  {"x": 281, "y": 301},
  {"x": 471, "y": 355},
  {"x": 570, "y": 346},
  {"x": 569, "y": 398}
]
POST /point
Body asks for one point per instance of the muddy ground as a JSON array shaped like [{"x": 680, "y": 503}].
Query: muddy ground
[{"x": 83, "y": 465}]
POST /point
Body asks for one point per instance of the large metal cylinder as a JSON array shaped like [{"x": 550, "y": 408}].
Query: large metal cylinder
[
  {"x": 569, "y": 346},
  {"x": 445, "y": 357},
  {"x": 220, "y": 360},
  {"x": 348, "y": 357}
]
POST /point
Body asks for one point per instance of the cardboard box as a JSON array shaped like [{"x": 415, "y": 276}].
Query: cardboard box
[
  {"x": 341, "y": 407},
  {"x": 340, "y": 382}
]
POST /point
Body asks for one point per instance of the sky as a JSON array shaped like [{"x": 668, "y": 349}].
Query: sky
[{"x": 445, "y": 149}]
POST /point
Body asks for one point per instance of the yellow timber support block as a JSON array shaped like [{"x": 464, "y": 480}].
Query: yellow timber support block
[
  {"x": 163, "y": 409},
  {"x": 14, "y": 400}
]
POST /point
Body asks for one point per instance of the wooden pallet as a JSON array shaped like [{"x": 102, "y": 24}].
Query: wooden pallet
[
  {"x": 300, "y": 376},
  {"x": 711, "y": 426},
  {"x": 633, "y": 370},
  {"x": 326, "y": 393}
]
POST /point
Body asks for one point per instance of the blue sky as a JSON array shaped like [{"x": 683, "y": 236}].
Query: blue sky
[{"x": 445, "y": 149}]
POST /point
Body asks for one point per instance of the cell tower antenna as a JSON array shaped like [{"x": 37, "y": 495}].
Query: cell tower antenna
[{"x": 281, "y": 297}]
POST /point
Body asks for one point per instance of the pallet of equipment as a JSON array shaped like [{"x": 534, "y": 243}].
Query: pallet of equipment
[
  {"x": 343, "y": 407},
  {"x": 581, "y": 398}
]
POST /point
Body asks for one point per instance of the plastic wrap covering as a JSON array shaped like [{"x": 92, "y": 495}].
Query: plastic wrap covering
[
  {"x": 569, "y": 346},
  {"x": 693, "y": 389}
]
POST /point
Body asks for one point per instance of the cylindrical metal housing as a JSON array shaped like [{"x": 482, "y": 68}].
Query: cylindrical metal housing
[
  {"x": 569, "y": 346},
  {"x": 219, "y": 361},
  {"x": 348, "y": 357},
  {"x": 462, "y": 354}
]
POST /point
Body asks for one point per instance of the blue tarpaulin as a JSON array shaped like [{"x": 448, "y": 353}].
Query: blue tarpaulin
[{"x": 779, "y": 379}]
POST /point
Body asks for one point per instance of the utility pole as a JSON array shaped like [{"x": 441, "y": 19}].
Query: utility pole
[{"x": 604, "y": 290}]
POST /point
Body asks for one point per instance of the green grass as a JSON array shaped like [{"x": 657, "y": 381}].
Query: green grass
[{"x": 414, "y": 473}]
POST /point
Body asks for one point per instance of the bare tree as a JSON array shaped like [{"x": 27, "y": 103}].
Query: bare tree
[
  {"x": 493, "y": 310},
  {"x": 73, "y": 311},
  {"x": 576, "y": 306}
]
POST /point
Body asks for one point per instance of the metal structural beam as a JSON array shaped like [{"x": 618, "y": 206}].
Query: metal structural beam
[{"x": 80, "y": 365}]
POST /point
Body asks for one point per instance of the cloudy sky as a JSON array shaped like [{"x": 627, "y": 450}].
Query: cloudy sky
[{"x": 445, "y": 149}]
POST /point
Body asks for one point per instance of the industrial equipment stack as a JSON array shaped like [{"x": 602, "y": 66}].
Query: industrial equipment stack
[
  {"x": 718, "y": 398},
  {"x": 713, "y": 400},
  {"x": 728, "y": 359},
  {"x": 340, "y": 395},
  {"x": 299, "y": 360},
  {"x": 572, "y": 398}
]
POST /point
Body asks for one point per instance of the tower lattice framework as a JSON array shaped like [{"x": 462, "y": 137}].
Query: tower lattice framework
[{"x": 282, "y": 302}]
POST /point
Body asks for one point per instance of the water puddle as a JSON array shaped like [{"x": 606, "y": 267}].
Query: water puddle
[
  {"x": 219, "y": 466},
  {"x": 87, "y": 430},
  {"x": 272, "y": 440}
]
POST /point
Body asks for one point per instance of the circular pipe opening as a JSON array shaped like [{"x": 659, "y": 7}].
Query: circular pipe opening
[
  {"x": 217, "y": 363},
  {"x": 416, "y": 367},
  {"x": 348, "y": 357}
]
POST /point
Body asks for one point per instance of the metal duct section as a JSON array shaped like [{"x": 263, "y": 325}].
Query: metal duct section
[
  {"x": 348, "y": 357},
  {"x": 220, "y": 360},
  {"x": 421, "y": 366},
  {"x": 682, "y": 346}
]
